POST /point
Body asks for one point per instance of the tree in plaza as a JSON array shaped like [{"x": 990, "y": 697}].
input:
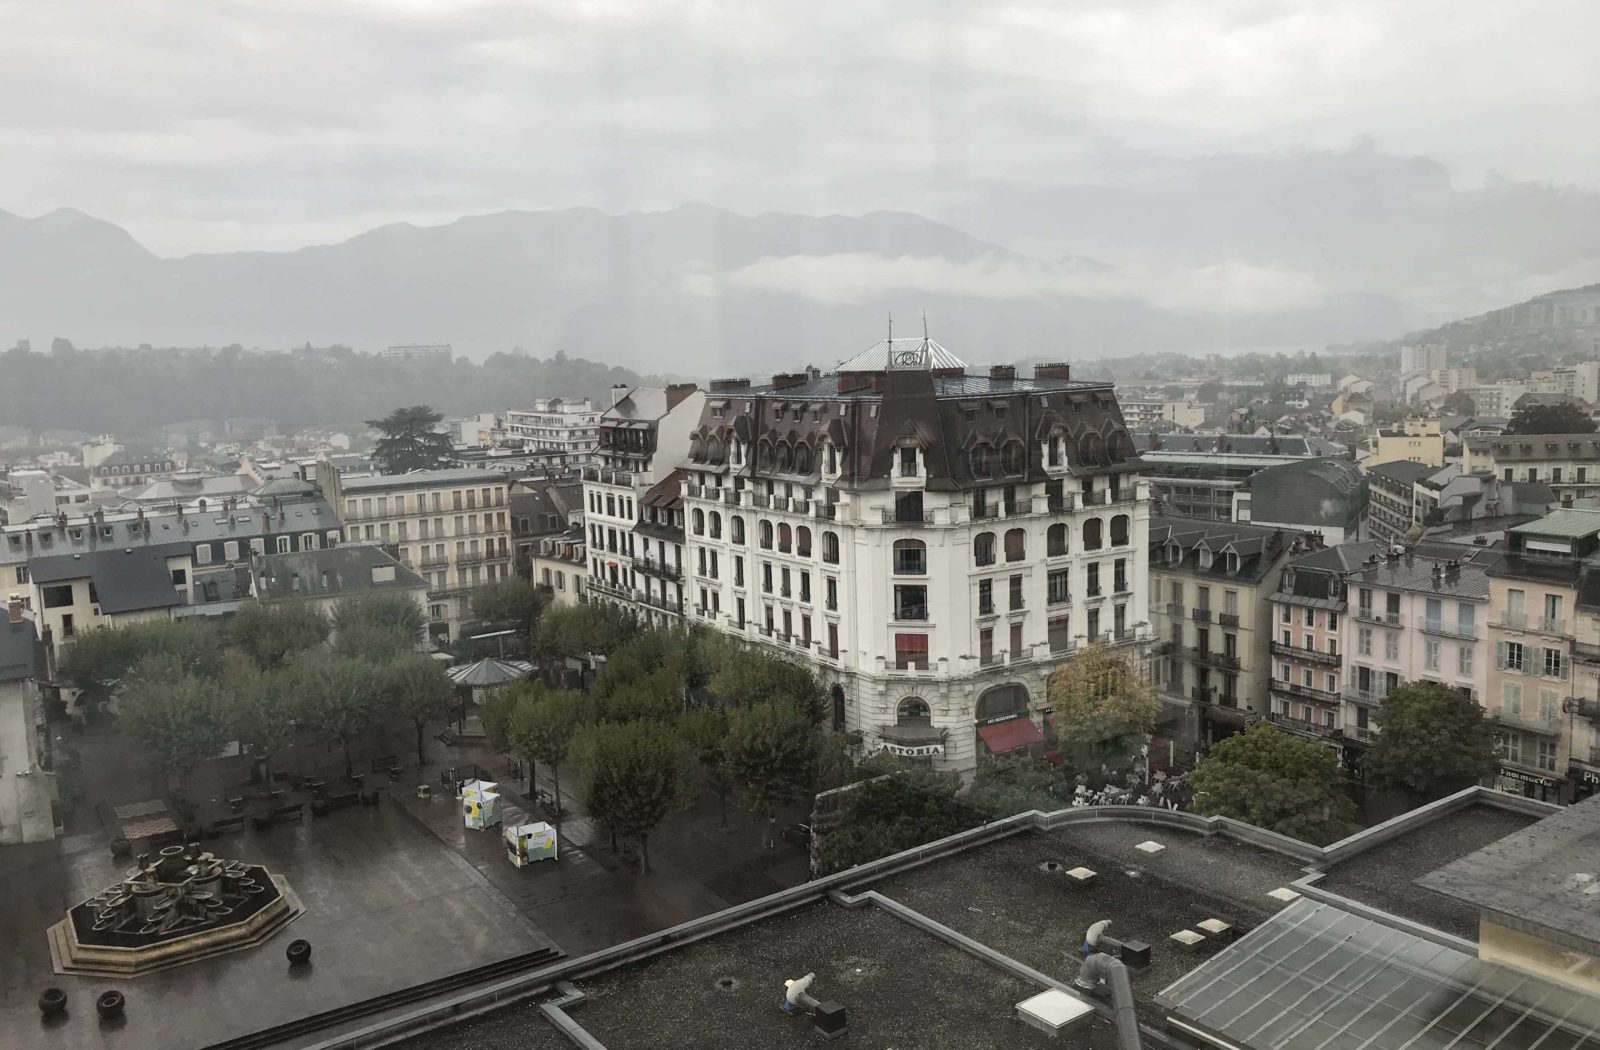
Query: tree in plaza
[
  {"x": 655, "y": 696},
  {"x": 374, "y": 643},
  {"x": 1009, "y": 784},
  {"x": 98, "y": 662},
  {"x": 894, "y": 812},
  {"x": 542, "y": 728},
  {"x": 261, "y": 708},
  {"x": 495, "y": 713},
  {"x": 177, "y": 720},
  {"x": 705, "y": 731},
  {"x": 630, "y": 776},
  {"x": 1563, "y": 418},
  {"x": 271, "y": 634},
  {"x": 1278, "y": 781},
  {"x": 513, "y": 602},
  {"x": 387, "y": 611},
  {"x": 416, "y": 686},
  {"x": 1432, "y": 741},
  {"x": 338, "y": 696},
  {"x": 581, "y": 630},
  {"x": 774, "y": 755},
  {"x": 742, "y": 674},
  {"x": 1103, "y": 706},
  {"x": 408, "y": 439}
]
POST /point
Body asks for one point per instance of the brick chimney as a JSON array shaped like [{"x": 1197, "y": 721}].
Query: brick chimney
[
  {"x": 785, "y": 380},
  {"x": 1053, "y": 370},
  {"x": 728, "y": 386},
  {"x": 1002, "y": 373},
  {"x": 14, "y": 608},
  {"x": 676, "y": 392}
]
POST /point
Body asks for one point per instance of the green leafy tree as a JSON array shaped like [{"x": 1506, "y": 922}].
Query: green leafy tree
[
  {"x": 177, "y": 721},
  {"x": 892, "y": 813},
  {"x": 542, "y": 727},
  {"x": 742, "y": 674},
  {"x": 271, "y": 634},
  {"x": 631, "y": 775},
  {"x": 705, "y": 731},
  {"x": 495, "y": 713},
  {"x": 1278, "y": 781},
  {"x": 775, "y": 757},
  {"x": 374, "y": 642},
  {"x": 1009, "y": 784},
  {"x": 1459, "y": 403},
  {"x": 515, "y": 604},
  {"x": 416, "y": 686},
  {"x": 408, "y": 439},
  {"x": 339, "y": 697},
  {"x": 1104, "y": 709},
  {"x": 581, "y": 630},
  {"x": 261, "y": 708},
  {"x": 1563, "y": 418},
  {"x": 98, "y": 662},
  {"x": 382, "y": 610},
  {"x": 654, "y": 697},
  {"x": 1432, "y": 741}
]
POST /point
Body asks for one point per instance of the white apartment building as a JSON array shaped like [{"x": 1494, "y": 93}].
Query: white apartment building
[
  {"x": 562, "y": 424},
  {"x": 1421, "y": 360},
  {"x": 1580, "y": 381},
  {"x": 1314, "y": 380},
  {"x": 633, "y": 501},
  {"x": 932, "y": 543},
  {"x": 451, "y": 526}
]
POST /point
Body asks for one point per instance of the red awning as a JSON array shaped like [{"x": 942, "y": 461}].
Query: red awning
[{"x": 1011, "y": 735}]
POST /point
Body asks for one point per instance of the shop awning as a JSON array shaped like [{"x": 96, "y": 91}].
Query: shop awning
[{"x": 1011, "y": 735}]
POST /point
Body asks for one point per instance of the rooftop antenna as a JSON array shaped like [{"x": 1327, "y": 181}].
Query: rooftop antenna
[
  {"x": 891, "y": 329},
  {"x": 924, "y": 330}
]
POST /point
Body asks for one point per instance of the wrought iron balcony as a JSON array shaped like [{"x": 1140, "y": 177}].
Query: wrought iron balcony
[
  {"x": 1296, "y": 652},
  {"x": 1305, "y": 726},
  {"x": 1304, "y": 692}
]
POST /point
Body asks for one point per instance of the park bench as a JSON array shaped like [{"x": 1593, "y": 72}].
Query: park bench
[
  {"x": 292, "y": 811},
  {"x": 387, "y": 764},
  {"x": 223, "y": 825},
  {"x": 334, "y": 800}
]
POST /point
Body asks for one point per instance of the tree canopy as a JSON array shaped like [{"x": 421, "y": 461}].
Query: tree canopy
[
  {"x": 1432, "y": 741},
  {"x": 179, "y": 721},
  {"x": 414, "y": 685},
  {"x": 773, "y": 754},
  {"x": 408, "y": 440},
  {"x": 894, "y": 812},
  {"x": 513, "y": 603},
  {"x": 271, "y": 633},
  {"x": 1278, "y": 781},
  {"x": 631, "y": 775},
  {"x": 1103, "y": 707},
  {"x": 1564, "y": 418}
]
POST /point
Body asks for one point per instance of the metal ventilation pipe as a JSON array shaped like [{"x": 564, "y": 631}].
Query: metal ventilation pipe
[{"x": 1100, "y": 973}]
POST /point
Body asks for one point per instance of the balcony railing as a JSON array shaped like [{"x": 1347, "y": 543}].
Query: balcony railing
[
  {"x": 1306, "y": 692},
  {"x": 1200, "y": 615},
  {"x": 652, "y": 567},
  {"x": 1304, "y": 726},
  {"x": 1176, "y": 609},
  {"x": 1364, "y": 696},
  {"x": 1450, "y": 630},
  {"x": 1388, "y": 619},
  {"x": 1588, "y": 652},
  {"x": 1061, "y": 504},
  {"x": 1583, "y": 707},
  {"x": 1202, "y": 694},
  {"x": 1228, "y": 619},
  {"x": 1206, "y": 656},
  {"x": 1296, "y": 652},
  {"x": 896, "y": 516}
]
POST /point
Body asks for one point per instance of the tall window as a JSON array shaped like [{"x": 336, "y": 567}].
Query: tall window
[
  {"x": 764, "y": 530},
  {"x": 736, "y": 529},
  {"x": 1056, "y": 540},
  {"x": 983, "y": 548},
  {"x": 1016, "y": 544},
  {"x": 910, "y": 557},
  {"x": 985, "y": 597},
  {"x": 830, "y": 548},
  {"x": 1119, "y": 530},
  {"x": 1091, "y": 534},
  {"x": 802, "y": 541},
  {"x": 913, "y": 711},
  {"x": 910, "y": 602},
  {"x": 1016, "y": 593}
]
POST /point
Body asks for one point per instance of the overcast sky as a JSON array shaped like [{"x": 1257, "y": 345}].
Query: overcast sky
[{"x": 219, "y": 124}]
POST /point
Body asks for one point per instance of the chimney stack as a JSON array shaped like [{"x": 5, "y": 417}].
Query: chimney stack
[
  {"x": 676, "y": 392},
  {"x": 728, "y": 386},
  {"x": 1002, "y": 373},
  {"x": 1053, "y": 370},
  {"x": 14, "y": 608},
  {"x": 784, "y": 380},
  {"x": 618, "y": 392}
]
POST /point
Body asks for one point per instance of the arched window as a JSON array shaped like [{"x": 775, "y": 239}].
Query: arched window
[
  {"x": 802, "y": 460},
  {"x": 913, "y": 711},
  {"x": 785, "y": 538},
  {"x": 978, "y": 460},
  {"x": 1056, "y": 540},
  {"x": 716, "y": 525},
  {"x": 983, "y": 548},
  {"x": 764, "y": 530},
  {"x": 802, "y": 541},
  {"x": 910, "y": 558},
  {"x": 1119, "y": 530},
  {"x": 699, "y": 522},
  {"x": 786, "y": 457},
  {"x": 1003, "y": 701},
  {"x": 1016, "y": 544},
  {"x": 1091, "y": 534},
  {"x": 1014, "y": 459},
  {"x": 736, "y": 529},
  {"x": 1091, "y": 450},
  {"x": 830, "y": 548},
  {"x": 1121, "y": 447}
]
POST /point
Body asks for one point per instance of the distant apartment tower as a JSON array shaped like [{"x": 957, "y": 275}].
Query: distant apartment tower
[
  {"x": 1314, "y": 380},
  {"x": 1421, "y": 360},
  {"x": 412, "y": 353},
  {"x": 569, "y": 425}
]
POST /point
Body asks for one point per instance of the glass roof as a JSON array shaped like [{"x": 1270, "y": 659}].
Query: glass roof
[{"x": 1316, "y": 977}]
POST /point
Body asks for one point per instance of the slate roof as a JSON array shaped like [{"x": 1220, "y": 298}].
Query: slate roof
[
  {"x": 1405, "y": 471},
  {"x": 330, "y": 572},
  {"x": 129, "y": 579},
  {"x": 1258, "y": 547},
  {"x": 417, "y": 479},
  {"x": 1537, "y": 447},
  {"x": 18, "y": 649},
  {"x": 1414, "y": 572},
  {"x": 1571, "y": 524}
]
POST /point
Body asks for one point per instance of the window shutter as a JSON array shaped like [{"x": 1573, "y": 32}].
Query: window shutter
[{"x": 1500, "y": 655}]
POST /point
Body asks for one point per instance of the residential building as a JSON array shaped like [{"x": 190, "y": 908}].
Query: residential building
[
  {"x": 324, "y": 576},
  {"x": 1143, "y": 414},
  {"x": 562, "y": 424},
  {"x": 33, "y": 494},
  {"x": 418, "y": 353},
  {"x": 1568, "y": 463},
  {"x": 1417, "y": 439},
  {"x": 25, "y": 811},
  {"x": 107, "y": 587},
  {"x": 1314, "y": 380},
  {"x": 191, "y": 488},
  {"x": 1200, "y": 475},
  {"x": 1496, "y": 399},
  {"x": 451, "y": 526},
  {"x": 1325, "y": 497},
  {"x": 131, "y": 469},
  {"x": 542, "y": 510},
  {"x": 1583, "y": 707},
  {"x": 931, "y": 542},
  {"x": 1392, "y": 502},
  {"x": 635, "y": 543},
  {"x": 1580, "y": 381},
  {"x": 1533, "y": 400},
  {"x": 561, "y": 563},
  {"x": 1533, "y": 596},
  {"x": 1415, "y": 616},
  {"x": 1452, "y": 380},
  {"x": 1357, "y": 387},
  {"x": 1210, "y": 624},
  {"x": 1421, "y": 360},
  {"x": 1307, "y": 614}
]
